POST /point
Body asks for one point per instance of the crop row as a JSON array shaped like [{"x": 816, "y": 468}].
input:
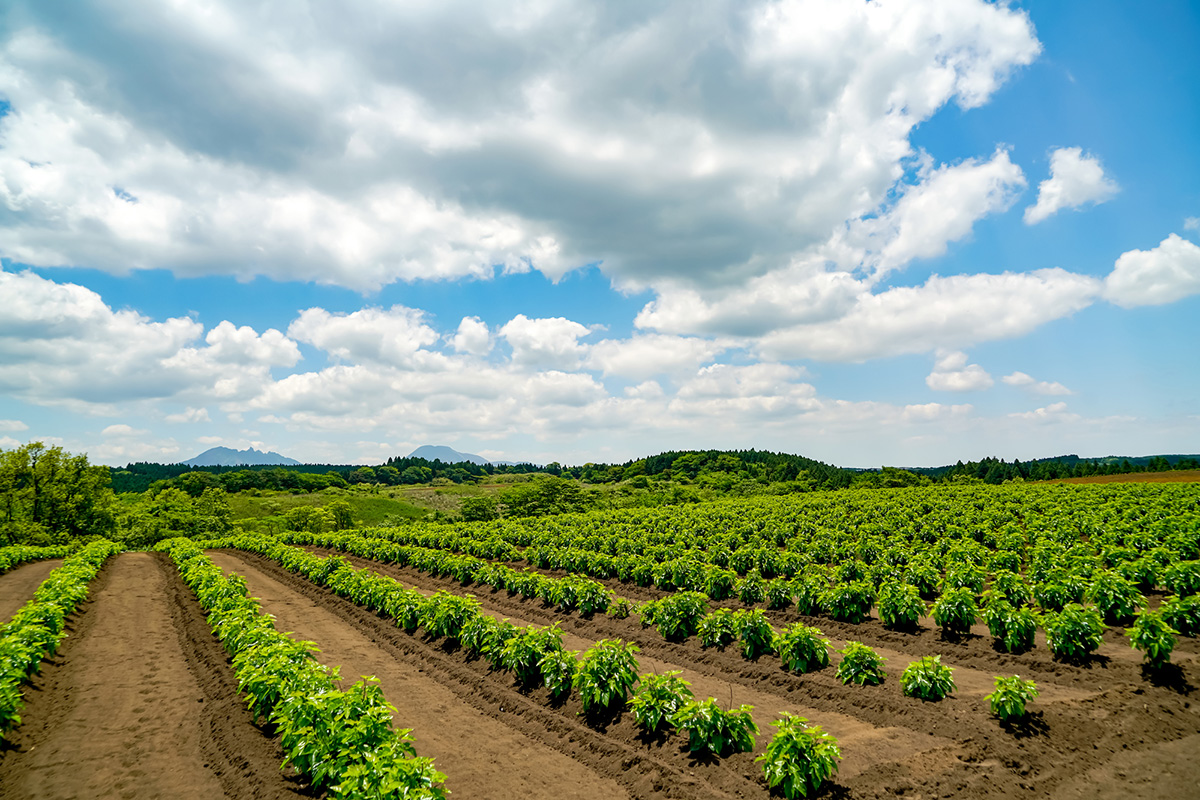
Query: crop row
[
  {"x": 343, "y": 740},
  {"x": 37, "y": 628},
  {"x": 18, "y": 554}
]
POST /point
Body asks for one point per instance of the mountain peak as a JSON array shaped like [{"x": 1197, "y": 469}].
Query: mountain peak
[{"x": 228, "y": 457}]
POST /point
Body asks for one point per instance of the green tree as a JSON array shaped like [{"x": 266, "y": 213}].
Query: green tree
[{"x": 48, "y": 496}]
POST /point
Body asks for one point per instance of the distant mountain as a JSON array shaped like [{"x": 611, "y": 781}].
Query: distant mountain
[
  {"x": 228, "y": 457},
  {"x": 447, "y": 455}
]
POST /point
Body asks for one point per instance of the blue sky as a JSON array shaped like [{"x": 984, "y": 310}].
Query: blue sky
[{"x": 898, "y": 233}]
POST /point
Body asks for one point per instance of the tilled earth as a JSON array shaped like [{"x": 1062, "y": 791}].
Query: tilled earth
[{"x": 140, "y": 702}]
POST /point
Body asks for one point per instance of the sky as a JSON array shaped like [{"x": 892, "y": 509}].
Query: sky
[{"x": 901, "y": 233}]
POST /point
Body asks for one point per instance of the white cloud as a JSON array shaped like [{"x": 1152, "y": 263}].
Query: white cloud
[
  {"x": 373, "y": 335},
  {"x": 942, "y": 208},
  {"x": 551, "y": 342},
  {"x": 1053, "y": 413},
  {"x": 1075, "y": 180},
  {"x": 473, "y": 337},
  {"x": 189, "y": 415},
  {"x": 1191, "y": 224},
  {"x": 952, "y": 312},
  {"x": 951, "y": 373},
  {"x": 369, "y": 144},
  {"x": 645, "y": 356},
  {"x": 122, "y": 430},
  {"x": 1026, "y": 381},
  {"x": 229, "y": 344},
  {"x": 12, "y": 425},
  {"x": 1165, "y": 274}
]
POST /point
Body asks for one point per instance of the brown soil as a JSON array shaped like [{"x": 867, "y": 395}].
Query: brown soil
[
  {"x": 1102, "y": 721},
  {"x": 1174, "y": 476},
  {"x": 18, "y": 585},
  {"x": 139, "y": 702}
]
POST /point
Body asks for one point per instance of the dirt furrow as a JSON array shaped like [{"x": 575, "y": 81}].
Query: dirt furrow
[
  {"x": 18, "y": 585},
  {"x": 483, "y": 755},
  {"x": 123, "y": 710},
  {"x": 890, "y": 727}
]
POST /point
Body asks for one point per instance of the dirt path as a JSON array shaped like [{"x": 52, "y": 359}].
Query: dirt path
[
  {"x": 18, "y": 585},
  {"x": 130, "y": 708},
  {"x": 965, "y": 750},
  {"x": 483, "y": 757}
]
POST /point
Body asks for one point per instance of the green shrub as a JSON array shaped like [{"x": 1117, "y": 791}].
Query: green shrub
[
  {"x": 658, "y": 697},
  {"x": 779, "y": 593},
  {"x": 1013, "y": 627},
  {"x": 860, "y": 664},
  {"x": 750, "y": 589},
  {"x": 800, "y": 757},
  {"x": 927, "y": 679},
  {"x": 677, "y": 615},
  {"x": 1153, "y": 636},
  {"x": 522, "y": 654},
  {"x": 807, "y": 591},
  {"x": 1183, "y": 614},
  {"x": 803, "y": 649},
  {"x": 754, "y": 631},
  {"x": 606, "y": 673},
  {"x": 558, "y": 668},
  {"x": 619, "y": 608},
  {"x": 900, "y": 606},
  {"x": 1011, "y": 587},
  {"x": 1183, "y": 578},
  {"x": 1074, "y": 632},
  {"x": 849, "y": 602},
  {"x": 1116, "y": 597},
  {"x": 717, "y": 629},
  {"x": 955, "y": 610},
  {"x": 710, "y": 728},
  {"x": 1011, "y": 695}
]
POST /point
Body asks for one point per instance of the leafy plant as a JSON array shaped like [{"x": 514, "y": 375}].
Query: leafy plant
[
  {"x": 802, "y": 648},
  {"x": 1011, "y": 695},
  {"x": 1153, "y": 636},
  {"x": 860, "y": 664},
  {"x": 522, "y": 654},
  {"x": 1013, "y": 627},
  {"x": 927, "y": 679},
  {"x": 750, "y": 589},
  {"x": 754, "y": 631},
  {"x": 1183, "y": 614},
  {"x": 900, "y": 605},
  {"x": 710, "y": 728},
  {"x": 607, "y": 672},
  {"x": 1074, "y": 632},
  {"x": 658, "y": 697},
  {"x": 677, "y": 615},
  {"x": 558, "y": 668},
  {"x": 1010, "y": 585},
  {"x": 619, "y": 608},
  {"x": 955, "y": 610},
  {"x": 1116, "y": 597},
  {"x": 800, "y": 757},
  {"x": 1183, "y": 578},
  {"x": 717, "y": 628},
  {"x": 850, "y": 602},
  {"x": 779, "y": 593}
]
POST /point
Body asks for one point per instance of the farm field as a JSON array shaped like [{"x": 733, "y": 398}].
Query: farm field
[{"x": 140, "y": 699}]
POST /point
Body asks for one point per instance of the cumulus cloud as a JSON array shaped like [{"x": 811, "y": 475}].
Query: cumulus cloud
[
  {"x": 373, "y": 335},
  {"x": 1025, "y": 381},
  {"x": 370, "y": 143},
  {"x": 11, "y": 425},
  {"x": 942, "y": 208},
  {"x": 1164, "y": 274},
  {"x": 951, "y": 312},
  {"x": 952, "y": 373},
  {"x": 1075, "y": 180},
  {"x": 645, "y": 356},
  {"x": 551, "y": 342},
  {"x": 472, "y": 337}
]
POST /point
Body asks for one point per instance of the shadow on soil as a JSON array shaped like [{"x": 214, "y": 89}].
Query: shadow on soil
[
  {"x": 1168, "y": 676},
  {"x": 1031, "y": 725}
]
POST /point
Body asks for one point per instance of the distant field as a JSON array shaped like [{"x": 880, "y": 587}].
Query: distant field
[
  {"x": 1176, "y": 476},
  {"x": 368, "y": 509}
]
